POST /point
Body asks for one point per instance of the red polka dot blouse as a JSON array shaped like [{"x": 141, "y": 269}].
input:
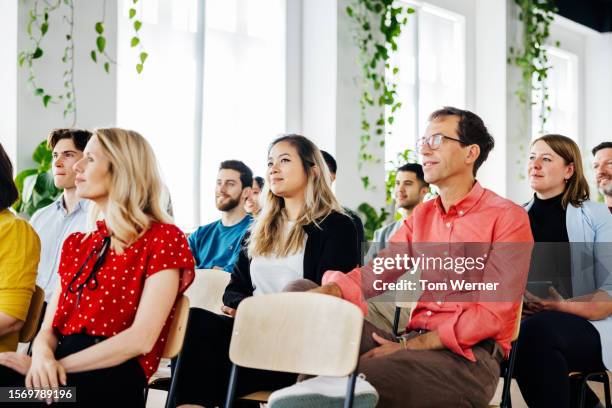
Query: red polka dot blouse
[{"x": 108, "y": 306}]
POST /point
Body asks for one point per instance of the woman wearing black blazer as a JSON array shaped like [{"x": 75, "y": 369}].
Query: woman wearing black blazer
[{"x": 300, "y": 233}]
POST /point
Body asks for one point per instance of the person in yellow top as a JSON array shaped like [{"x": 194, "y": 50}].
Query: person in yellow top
[{"x": 19, "y": 256}]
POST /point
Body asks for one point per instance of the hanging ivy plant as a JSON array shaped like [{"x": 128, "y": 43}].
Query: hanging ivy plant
[
  {"x": 378, "y": 26},
  {"x": 38, "y": 27},
  {"x": 532, "y": 57}
]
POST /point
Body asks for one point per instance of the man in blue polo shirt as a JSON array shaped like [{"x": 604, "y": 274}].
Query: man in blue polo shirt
[
  {"x": 68, "y": 213},
  {"x": 216, "y": 245}
]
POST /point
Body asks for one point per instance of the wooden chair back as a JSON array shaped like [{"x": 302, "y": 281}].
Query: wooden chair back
[
  {"x": 176, "y": 334},
  {"x": 206, "y": 291},
  {"x": 305, "y": 333},
  {"x": 32, "y": 322}
]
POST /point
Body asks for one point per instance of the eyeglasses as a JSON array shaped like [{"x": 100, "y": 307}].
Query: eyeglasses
[{"x": 434, "y": 141}]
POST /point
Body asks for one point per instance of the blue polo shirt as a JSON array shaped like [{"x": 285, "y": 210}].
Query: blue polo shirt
[{"x": 215, "y": 244}]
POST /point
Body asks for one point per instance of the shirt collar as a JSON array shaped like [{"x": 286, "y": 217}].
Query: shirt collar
[
  {"x": 59, "y": 204},
  {"x": 464, "y": 205}
]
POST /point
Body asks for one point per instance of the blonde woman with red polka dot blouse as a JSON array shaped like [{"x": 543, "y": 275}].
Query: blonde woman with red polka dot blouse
[{"x": 105, "y": 330}]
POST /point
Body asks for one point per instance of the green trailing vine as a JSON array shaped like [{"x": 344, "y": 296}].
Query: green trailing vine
[
  {"x": 100, "y": 51},
  {"x": 135, "y": 41},
  {"x": 532, "y": 57},
  {"x": 38, "y": 27},
  {"x": 378, "y": 24}
]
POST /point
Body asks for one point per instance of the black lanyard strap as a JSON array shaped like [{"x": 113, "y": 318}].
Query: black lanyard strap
[{"x": 91, "y": 282}]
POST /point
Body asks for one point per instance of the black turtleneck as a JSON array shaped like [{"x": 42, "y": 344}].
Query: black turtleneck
[
  {"x": 550, "y": 261},
  {"x": 547, "y": 218}
]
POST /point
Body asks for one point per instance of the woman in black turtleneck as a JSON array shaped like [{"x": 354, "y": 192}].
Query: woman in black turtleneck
[{"x": 561, "y": 336}]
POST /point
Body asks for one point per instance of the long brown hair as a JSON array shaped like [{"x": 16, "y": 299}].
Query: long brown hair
[
  {"x": 577, "y": 188},
  {"x": 268, "y": 236}
]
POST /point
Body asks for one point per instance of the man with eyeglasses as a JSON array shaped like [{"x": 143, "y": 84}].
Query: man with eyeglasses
[
  {"x": 455, "y": 343},
  {"x": 65, "y": 215}
]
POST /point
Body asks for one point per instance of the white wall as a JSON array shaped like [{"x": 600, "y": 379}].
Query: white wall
[
  {"x": 95, "y": 90},
  {"x": 319, "y": 56},
  {"x": 8, "y": 78},
  {"x": 490, "y": 88}
]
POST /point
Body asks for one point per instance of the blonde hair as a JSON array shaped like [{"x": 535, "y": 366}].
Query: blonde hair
[
  {"x": 268, "y": 236},
  {"x": 135, "y": 186},
  {"x": 577, "y": 188}
]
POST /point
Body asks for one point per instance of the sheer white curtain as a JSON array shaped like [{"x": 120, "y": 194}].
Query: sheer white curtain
[
  {"x": 239, "y": 66},
  {"x": 244, "y": 87},
  {"x": 161, "y": 103}
]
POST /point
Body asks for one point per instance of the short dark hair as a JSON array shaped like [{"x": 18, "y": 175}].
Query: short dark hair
[
  {"x": 79, "y": 137},
  {"x": 260, "y": 181},
  {"x": 246, "y": 175},
  {"x": 602, "y": 145},
  {"x": 8, "y": 189},
  {"x": 417, "y": 169},
  {"x": 471, "y": 130},
  {"x": 331, "y": 162}
]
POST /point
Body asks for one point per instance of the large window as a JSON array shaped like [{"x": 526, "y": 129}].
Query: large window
[
  {"x": 562, "y": 83},
  {"x": 244, "y": 87},
  {"x": 431, "y": 61},
  {"x": 212, "y": 89},
  {"x": 162, "y": 102}
]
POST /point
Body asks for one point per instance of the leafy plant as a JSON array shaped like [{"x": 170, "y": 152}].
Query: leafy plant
[
  {"x": 378, "y": 26},
  {"x": 135, "y": 41},
  {"x": 373, "y": 219},
  {"x": 36, "y": 187},
  {"x": 532, "y": 57}
]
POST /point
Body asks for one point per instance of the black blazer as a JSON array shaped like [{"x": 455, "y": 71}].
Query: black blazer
[{"x": 330, "y": 246}]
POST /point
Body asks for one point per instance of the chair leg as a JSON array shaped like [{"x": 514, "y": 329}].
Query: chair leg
[
  {"x": 606, "y": 383},
  {"x": 583, "y": 388},
  {"x": 350, "y": 390},
  {"x": 231, "y": 390},
  {"x": 171, "y": 396},
  {"x": 506, "y": 401},
  {"x": 602, "y": 378},
  {"x": 396, "y": 320}
]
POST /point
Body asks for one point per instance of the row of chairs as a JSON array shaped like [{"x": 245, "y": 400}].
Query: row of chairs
[
  {"x": 272, "y": 342},
  {"x": 268, "y": 336}
]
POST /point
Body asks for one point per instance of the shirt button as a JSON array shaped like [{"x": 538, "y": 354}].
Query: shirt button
[
  {"x": 428, "y": 313},
  {"x": 460, "y": 212},
  {"x": 439, "y": 303},
  {"x": 448, "y": 225}
]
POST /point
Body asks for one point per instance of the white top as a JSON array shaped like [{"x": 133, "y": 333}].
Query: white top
[{"x": 272, "y": 274}]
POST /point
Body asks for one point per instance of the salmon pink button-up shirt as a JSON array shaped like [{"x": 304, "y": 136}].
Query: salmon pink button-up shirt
[{"x": 481, "y": 217}]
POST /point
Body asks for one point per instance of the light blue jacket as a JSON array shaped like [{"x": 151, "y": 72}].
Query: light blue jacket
[{"x": 589, "y": 229}]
